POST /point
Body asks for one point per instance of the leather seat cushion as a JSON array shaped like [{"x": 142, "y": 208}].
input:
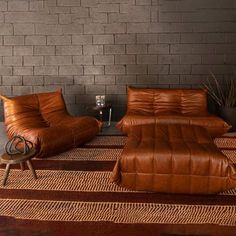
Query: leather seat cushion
[
  {"x": 213, "y": 124},
  {"x": 173, "y": 159}
]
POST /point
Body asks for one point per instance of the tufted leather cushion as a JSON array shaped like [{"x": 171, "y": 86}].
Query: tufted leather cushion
[
  {"x": 181, "y": 106},
  {"x": 214, "y": 125},
  {"x": 43, "y": 119},
  {"x": 173, "y": 159}
]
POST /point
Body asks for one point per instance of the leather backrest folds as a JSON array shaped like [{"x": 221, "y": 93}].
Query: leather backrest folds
[
  {"x": 33, "y": 111},
  {"x": 52, "y": 106},
  {"x": 167, "y": 101},
  {"x": 141, "y": 100},
  {"x": 194, "y": 101},
  {"x": 184, "y": 101},
  {"x": 22, "y": 111}
]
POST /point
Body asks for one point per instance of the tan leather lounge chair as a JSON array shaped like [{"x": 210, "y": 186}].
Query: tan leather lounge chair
[{"x": 43, "y": 119}]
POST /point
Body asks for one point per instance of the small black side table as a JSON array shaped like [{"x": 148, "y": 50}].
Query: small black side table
[
  {"x": 101, "y": 109},
  {"x": 17, "y": 159}
]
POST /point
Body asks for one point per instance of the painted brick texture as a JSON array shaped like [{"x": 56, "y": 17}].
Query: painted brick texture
[{"x": 89, "y": 47}]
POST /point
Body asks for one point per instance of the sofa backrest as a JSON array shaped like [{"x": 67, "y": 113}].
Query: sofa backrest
[
  {"x": 52, "y": 106},
  {"x": 22, "y": 111},
  {"x": 151, "y": 101},
  {"x": 33, "y": 111}
]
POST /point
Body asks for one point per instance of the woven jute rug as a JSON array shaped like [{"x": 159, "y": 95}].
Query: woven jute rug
[
  {"x": 88, "y": 154},
  {"x": 118, "y": 212},
  {"x": 57, "y": 180},
  {"x": 74, "y": 187}
]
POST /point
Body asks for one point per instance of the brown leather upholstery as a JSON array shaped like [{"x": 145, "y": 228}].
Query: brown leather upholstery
[
  {"x": 173, "y": 159},
  {"x": 175, "y": 106},
  {"x": 43, "y": 119}
]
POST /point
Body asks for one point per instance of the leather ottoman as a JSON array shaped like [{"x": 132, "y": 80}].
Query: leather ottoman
[{"x": 173, "y": 159}]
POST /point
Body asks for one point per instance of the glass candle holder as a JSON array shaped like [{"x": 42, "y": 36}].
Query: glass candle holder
[
  {"x": 102, "y": 100},
  {"x": 98, "y": 100}
]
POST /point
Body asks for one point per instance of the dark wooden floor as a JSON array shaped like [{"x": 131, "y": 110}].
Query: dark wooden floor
[{"x": 34, "y": 228}]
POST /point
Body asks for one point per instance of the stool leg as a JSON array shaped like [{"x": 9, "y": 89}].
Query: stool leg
[
  {"x": 32, "y": 169},
  {"x": 7, "y": 170},
  {"x": 22, "y": 166}
]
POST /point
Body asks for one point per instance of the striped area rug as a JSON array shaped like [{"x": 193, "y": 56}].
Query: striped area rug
[
  {"x": 75, "y": 187},
  {"x": 88, "y": 154},
  {"x": 150, "y": 213},
  {"x": 99, "y": 181}
]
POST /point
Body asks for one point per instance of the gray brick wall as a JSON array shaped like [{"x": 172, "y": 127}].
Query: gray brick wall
[{"x": 89, "y": 47}]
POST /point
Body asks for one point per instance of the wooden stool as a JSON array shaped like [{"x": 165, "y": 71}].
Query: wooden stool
[{"x": 17, "y": 159}]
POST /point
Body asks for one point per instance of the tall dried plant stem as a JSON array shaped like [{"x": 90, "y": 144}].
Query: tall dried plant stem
[{"x": 222, "y": 97}]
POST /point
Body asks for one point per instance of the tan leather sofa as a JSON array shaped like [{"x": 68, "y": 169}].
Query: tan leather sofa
[
  {"x": 170, "y": 106},
  {"x": 43, "y": 119}
]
